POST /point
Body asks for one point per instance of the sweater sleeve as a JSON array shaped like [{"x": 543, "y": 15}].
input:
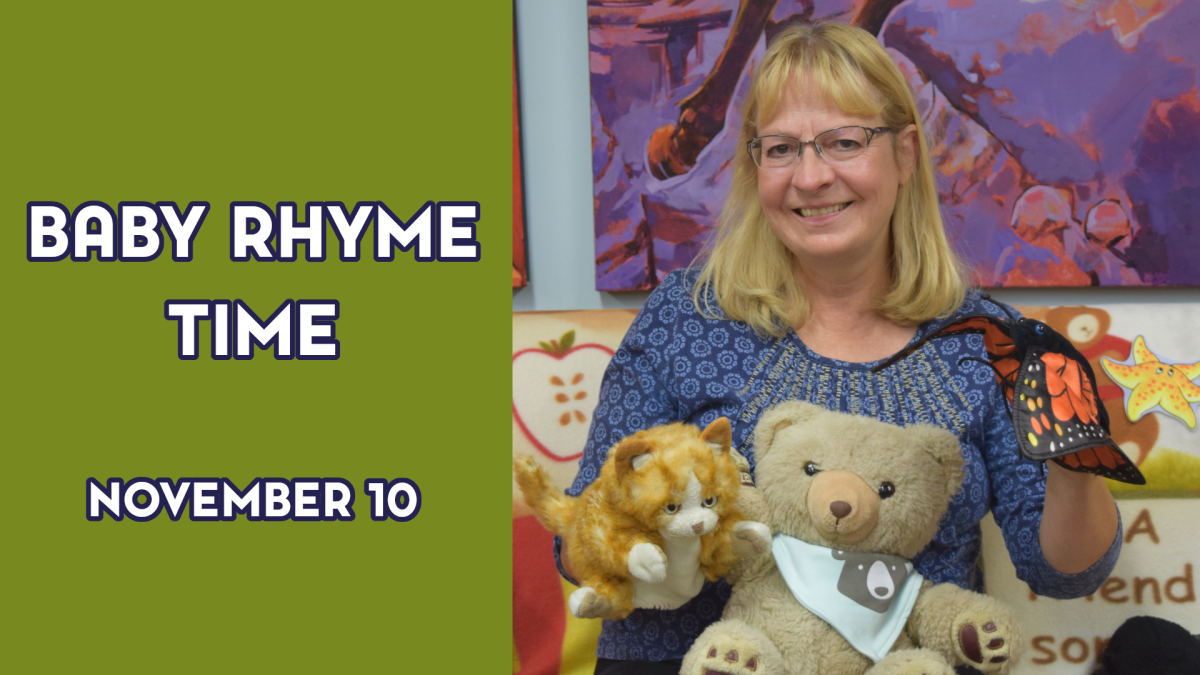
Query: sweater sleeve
[
  {"x": 1018, "y": 496},
  {"x": 635, "y": 392}
]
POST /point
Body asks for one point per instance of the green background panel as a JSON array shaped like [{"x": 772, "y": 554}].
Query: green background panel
[{"x": 395, "y": 102}]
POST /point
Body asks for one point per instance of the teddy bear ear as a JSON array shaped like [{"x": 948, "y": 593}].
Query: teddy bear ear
[
  {"x": 718, "y": 435},
  {"x": 780, "y": 417},
  {"x": 630, "y": 454},
  {"x": 945, "y": 449}
]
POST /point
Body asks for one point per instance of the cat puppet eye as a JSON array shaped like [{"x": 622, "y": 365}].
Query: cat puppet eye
[
  {"x": 671, "y": 508},
  {"x": 710, "y": 502}
]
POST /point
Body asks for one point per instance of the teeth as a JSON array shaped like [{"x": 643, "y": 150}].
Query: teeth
[{"x": 809, "y": 213}]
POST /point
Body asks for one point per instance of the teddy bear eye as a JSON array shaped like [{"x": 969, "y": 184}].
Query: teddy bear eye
[
  {"x": 886, "y": 490},
  {"x": 671, "y": 508},
  {"x": 710, "y": 502},
  {"x": 811, "y": 469}
]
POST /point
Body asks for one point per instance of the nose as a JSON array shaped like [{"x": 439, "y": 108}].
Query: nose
[
  {"x": 840, "y": 509},
  {"x": 698, "y": 528},
  {"x": 810, "y": 172}
]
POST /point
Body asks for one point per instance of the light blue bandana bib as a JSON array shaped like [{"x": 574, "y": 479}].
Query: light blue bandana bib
[{"x": 866, "y": 597}]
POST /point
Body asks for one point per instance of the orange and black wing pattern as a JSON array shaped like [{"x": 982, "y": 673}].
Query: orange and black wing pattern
[{"x": 1057, "y": 416}]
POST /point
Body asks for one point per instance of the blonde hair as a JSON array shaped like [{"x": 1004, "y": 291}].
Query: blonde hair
[{"x": 748, "y": 270}]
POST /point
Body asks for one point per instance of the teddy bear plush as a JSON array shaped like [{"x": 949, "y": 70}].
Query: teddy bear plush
[{"x": 850, "y": 500}]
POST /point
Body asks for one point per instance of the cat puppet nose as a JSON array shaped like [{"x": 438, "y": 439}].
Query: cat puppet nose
[
  {"x": 840, "y": 509},
  {"x": 698, "y": 528}
]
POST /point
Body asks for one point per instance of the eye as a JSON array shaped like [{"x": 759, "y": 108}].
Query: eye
[
  {"x": 811, "y": 469},
  {"x": 844, "y": 143},
  {"x": 886, "y": 490},
  {"x": 671, "y": 508},
  {"x": 1040, "y": 328},
  {"x": 710, "y": 502},
  {"x": 778, "y": 150}
]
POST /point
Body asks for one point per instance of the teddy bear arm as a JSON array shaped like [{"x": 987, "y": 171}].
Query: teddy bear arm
[
  {"x": 749, "y": 569},
  {"x": 752, "y": 505},
  {"x": 968, "y": 628}
]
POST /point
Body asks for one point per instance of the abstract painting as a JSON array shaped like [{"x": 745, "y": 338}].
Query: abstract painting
[{"x": 1065, "y": 133}]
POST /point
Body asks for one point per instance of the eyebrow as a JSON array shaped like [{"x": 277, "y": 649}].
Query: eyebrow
[{"x": 842, "y": 126}]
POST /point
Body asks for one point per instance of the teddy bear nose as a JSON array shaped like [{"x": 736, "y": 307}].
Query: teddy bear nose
[{"x": 840, "y": 509}]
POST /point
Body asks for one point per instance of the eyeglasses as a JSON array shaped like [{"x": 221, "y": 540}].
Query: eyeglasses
[{"x": 835, "y": 145}]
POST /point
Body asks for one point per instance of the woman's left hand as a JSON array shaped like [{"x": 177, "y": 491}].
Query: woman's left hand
[{"x": 1079, "y": 519}]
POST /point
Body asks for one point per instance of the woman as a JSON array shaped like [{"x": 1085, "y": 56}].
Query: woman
[{"x": 830, "y": 257}]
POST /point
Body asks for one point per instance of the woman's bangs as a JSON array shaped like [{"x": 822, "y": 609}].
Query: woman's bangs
[{"x": 835, "y": 80}]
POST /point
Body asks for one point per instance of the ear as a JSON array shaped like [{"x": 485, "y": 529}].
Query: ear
[
  {"x": 780, "y": 417},
  {"x": 907, "y": 142},
  {"x": 944, "y": 448},
  {"x": 630, "y": 454},
  {"x": 718, "y": 435}
]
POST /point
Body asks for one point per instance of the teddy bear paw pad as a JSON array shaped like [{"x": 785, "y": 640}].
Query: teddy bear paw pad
[
  {"x": 728, "y": 660},
  {"x": 983, "y": 643}
]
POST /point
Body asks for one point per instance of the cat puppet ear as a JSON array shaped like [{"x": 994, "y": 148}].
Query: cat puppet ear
[
  {"x": 630, "y": 454},
  {"x": 718, "y": 435}
]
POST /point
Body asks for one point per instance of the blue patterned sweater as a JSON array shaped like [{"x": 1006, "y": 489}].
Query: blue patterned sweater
[{"x": 674, "y": 364}]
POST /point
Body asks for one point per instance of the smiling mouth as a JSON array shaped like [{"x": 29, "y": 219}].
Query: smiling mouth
[{"x": 809, "y": 213}]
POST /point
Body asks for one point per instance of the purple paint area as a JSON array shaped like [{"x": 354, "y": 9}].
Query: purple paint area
[
  {"x": 1165, "y": 191},
  {"x": 1066, "y": 140}
]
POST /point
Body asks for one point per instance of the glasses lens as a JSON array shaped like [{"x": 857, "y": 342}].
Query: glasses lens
[
  {"x": 774, "y": 151},
  {"x": 842, "y": 144}
]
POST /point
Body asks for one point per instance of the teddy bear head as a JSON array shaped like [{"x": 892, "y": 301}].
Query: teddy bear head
[{"x": 854, "y": 483}]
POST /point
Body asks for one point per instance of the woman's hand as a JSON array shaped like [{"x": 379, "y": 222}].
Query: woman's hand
[{"x": 1079, "y": 520}]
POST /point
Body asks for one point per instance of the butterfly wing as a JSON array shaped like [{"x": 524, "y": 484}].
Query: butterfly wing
[
  {"x": 997, "y": 341},
  {"x": 995, "y": 337},
  {"x": 1058, "y": 416}
]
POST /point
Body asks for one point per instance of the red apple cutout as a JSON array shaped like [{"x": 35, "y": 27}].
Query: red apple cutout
[{"x": 555, "y": 389}]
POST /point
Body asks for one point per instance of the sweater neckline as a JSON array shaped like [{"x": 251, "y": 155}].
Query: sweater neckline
[{"x": 923, "y": 330}]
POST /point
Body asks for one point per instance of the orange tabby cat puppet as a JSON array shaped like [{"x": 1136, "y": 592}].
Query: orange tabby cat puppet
[{"x": 659, "y": 520}]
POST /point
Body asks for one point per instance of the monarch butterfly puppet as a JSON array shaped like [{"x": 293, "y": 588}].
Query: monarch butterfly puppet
[{"x": 1051, "y": 392}]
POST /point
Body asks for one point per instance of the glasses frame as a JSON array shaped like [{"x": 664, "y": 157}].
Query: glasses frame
[{"x": 872, "y": 132}]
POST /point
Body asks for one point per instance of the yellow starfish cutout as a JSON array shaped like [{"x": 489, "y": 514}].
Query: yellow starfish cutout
[{"x": 1154, "y": 383}]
